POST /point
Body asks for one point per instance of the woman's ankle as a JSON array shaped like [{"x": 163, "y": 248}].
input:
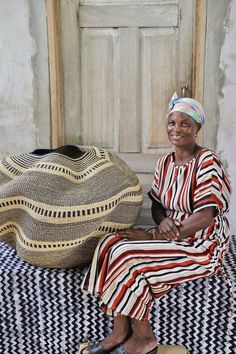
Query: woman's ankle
[
  {"x": 142, "y": 328},
  {"x": 120, "y": 333},
  {"x": 140, "y": 344},
  {"x": 113, "y": 340},
  {"x": 122, "y": 327}
]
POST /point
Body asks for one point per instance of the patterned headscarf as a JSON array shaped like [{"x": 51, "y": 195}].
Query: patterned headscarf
[{"x": 188, "y": 106}]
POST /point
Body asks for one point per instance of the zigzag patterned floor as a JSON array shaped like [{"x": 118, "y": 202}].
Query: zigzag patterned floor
[{"x": 45, "y": 312}]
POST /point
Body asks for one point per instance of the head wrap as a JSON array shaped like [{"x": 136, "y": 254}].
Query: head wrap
[{"x": 188, "y": 106}]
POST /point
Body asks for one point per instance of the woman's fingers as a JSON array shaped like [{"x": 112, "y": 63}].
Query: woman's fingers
[
  {"x": 177, "y": 222},
  {"x": 169, "y": 229},
  {"x": 124, "y": 235},
  {"x": 170, "y": 235},
  {"x": 125, "y": 232},
  {"x": 134, "y": 234}
]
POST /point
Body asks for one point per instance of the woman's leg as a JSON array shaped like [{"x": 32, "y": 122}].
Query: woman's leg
[
  {"x": 120, "y": 332},
  {"x": 142, "y": 340},
  {"x": 138, "y": 272},
  {"x": 132, "y": 274}
]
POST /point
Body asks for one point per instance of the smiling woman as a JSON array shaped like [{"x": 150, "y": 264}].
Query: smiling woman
[
  {"x": 185, "y": 119},
  {"x": 181, "y": 129},
  {"x": 190, "y": 198}
]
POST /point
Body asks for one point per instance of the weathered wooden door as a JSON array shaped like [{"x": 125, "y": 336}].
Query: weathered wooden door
[{"x": 133, "y": 56}]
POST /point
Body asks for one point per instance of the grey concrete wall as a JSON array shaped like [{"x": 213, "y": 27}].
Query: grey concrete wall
[
  {"x": 24, "y": 83},
  {"x": 226, "y": 133},
  {"x": 217, "y": 17},
  {"x": 219, "y": 133}
]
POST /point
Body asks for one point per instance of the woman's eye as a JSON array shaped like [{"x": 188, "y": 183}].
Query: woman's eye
[
  {"x": 170, "y": 124},
  {"x": 185, "y": 124}
]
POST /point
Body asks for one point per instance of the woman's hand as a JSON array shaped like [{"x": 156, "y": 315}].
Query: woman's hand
[
  {"x": 135, "y": 234},
  {"x": 168, "y": 228},
  {"x": 158, "y": 235},
  {"x": 140, "y": 235}
]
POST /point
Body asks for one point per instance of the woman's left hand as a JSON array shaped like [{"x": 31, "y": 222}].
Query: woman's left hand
[{"x": 135, "y": 234}]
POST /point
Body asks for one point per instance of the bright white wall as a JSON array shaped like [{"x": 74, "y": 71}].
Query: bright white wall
[
  {"x": 226, "y": 137},
  {"x": 24, "y": 97}
]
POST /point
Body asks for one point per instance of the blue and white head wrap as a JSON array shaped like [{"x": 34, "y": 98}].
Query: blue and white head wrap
[{"x": 188, "y": 106}]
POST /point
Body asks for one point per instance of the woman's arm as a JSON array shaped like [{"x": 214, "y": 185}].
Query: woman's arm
[
  {"x": 173, "y": 229},
  {"x": 196, "y": 222},
  {"x": 158, "y": 212},
  {"x": 167, "y": 227}
]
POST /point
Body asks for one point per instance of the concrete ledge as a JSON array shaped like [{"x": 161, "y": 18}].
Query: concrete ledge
[
  {"x": 162, "y": 349},
  {"x": 172, "y": 349}
]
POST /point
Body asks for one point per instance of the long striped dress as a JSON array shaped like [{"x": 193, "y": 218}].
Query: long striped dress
[{"x": 128, "y": 276}]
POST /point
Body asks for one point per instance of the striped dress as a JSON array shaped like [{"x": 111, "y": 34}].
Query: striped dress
[{"x": 128, "y": 276}]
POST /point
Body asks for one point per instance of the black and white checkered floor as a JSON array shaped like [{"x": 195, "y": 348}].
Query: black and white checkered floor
[{"x": 44, "y": 311}]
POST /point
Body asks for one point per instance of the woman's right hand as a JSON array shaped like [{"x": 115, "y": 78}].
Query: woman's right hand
[{"x": 168, "y": 228}]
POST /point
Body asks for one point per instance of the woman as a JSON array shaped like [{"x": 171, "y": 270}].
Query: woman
[{"x": 190, "y": 196}]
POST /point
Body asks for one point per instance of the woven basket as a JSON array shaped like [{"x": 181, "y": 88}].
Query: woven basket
[{"x": 56, "y": 204}]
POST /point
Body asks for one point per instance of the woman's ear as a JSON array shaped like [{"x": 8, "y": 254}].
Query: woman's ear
[{"x": 198, "y": 127}]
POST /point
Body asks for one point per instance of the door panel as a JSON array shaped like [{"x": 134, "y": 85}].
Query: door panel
[
  {"x": 129, "y": 16},
  {"x": 158, "y": 74},
  {"x": 129, "y": 90},
  {"x": 133, "y": 56},
  {"x": 129, "y": 2},
  {"x": 98, "y": 81}
]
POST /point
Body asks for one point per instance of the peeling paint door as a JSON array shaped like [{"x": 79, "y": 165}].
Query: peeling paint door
[{"x": 133, "y": 56}]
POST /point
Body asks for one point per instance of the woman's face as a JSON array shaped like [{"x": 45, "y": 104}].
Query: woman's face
[{"x": 181, "y": 129}]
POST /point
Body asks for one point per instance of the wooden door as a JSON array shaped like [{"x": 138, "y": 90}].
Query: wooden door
[{"x": 133, "y": 56}]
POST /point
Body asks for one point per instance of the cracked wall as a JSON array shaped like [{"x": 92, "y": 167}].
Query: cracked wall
[{"x": 24, "y": 87}]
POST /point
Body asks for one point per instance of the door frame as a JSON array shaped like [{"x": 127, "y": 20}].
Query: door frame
[
  {"x": 64, "y": 73},
  {"x": 53, "y": 15}
]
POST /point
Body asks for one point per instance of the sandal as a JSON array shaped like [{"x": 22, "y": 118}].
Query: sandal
[
  {"x": 95, "y": 348},
  {"x": 120, "y": 350}
]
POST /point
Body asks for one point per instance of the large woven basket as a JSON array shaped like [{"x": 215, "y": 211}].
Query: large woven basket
[{"x": 56, "y": 204}]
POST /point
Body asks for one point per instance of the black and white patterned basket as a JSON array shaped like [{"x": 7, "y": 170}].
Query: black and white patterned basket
[{"x": 44, "y": 311}]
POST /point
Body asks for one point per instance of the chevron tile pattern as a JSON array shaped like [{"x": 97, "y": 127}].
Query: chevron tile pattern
[{"x": 44, "y": 311}]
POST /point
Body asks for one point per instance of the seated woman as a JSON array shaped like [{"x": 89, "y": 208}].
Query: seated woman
[{"x": 190, "y": 197}]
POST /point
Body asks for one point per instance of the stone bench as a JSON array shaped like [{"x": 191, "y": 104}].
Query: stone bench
[{"x": 44, "y": 311}]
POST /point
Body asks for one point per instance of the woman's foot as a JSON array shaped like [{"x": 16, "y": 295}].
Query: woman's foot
[
  {"x": 113, "y": 340},
  {"x": 139, "y": 345},
  {"x": 121, "y": 332},
  {"x": 142, "y": 340}
]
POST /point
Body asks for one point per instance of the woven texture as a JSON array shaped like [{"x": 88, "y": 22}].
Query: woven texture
[
  {"x": 44, "y": 311},
  {"x": 55, "y": 207}
]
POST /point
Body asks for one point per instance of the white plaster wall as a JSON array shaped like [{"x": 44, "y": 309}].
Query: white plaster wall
[
  {"x": 20, "y": 83},
  {"x": 24, "y": 82},
  {"x": 226, "y": 137}
]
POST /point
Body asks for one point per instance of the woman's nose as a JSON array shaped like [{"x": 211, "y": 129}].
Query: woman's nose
[{"x": 177, "y": 128}]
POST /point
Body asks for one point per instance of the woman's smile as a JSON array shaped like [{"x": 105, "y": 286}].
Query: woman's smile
[
  {"x": 181, "y": 129},
  {"x": 175, "y": 136}
]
